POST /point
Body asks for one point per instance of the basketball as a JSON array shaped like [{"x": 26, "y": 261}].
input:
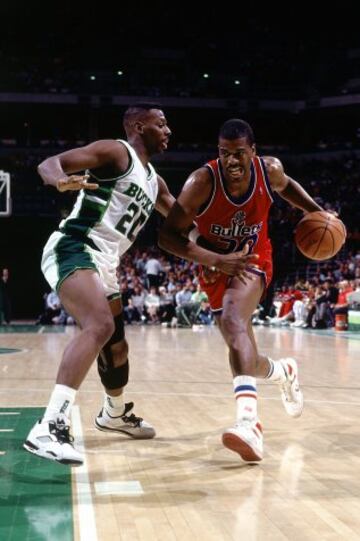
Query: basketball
[{"x": 319, "y": 235}]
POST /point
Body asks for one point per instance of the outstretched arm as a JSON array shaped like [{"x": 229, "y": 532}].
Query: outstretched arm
[
  {"x": 288, "y": 188},
  {"x": 164, "y": 200},
  {"x": 58, "y": 170},
  {"x": 173, "y": 235}
]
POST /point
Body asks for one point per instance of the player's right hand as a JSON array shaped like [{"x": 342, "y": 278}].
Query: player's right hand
[
  {"x": 238, "y": 264},
  {"x": 75, "y": 183}
]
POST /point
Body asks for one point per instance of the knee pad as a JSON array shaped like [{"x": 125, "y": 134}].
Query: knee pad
[
  {"x": 113, "y": 377},
  {"x": 119, "y": 332}
]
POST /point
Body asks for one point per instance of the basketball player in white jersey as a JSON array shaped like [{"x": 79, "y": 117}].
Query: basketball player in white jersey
[{"x": 117, "y": 193}]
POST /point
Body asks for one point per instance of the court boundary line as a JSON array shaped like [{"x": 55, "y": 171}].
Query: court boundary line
[
  {"x": 209, "y": 395},
  {"x": 86, "y": 514}
]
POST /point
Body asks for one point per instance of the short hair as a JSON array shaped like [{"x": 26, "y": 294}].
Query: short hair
[
  {"x": 136, "y": 110},
  {"x": 236, "y": 128}
]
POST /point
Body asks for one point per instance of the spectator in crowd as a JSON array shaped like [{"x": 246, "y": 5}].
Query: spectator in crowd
[
  {"x": 52, "y": 309},
  {"x": 153, "y": 271},
  {"x": 199, "y": 296},
  {"x": 131, "y": 313},
  {"x": 342, "y": 303},
  {"x": 167, "y": 306},
  {"x": 126, "y": 292},
  {"x": 138, "y": 300},
  {"x": 353, "y": 298},
  {"x": 5, "y": 302},
  {"x": 152, "y": 305},
  {"x": 184, "y": 294},
  {"x": 204, "y": 315},
  {"x": 140, "y": 263},
  {"x": 171, "y": 282},
  {"x": 325, "y": 304}
]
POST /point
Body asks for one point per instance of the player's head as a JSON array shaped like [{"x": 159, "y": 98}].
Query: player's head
[
  {"x": 146, "y": 121},
  {"x": 236, "y": 148}
]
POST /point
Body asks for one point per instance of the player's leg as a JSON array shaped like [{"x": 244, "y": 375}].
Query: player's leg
[
  {"x": 239, "y": 302},
  {"x": 113, "y": 366},
  {"x": 82, "y": 295},
  {"x": 93, "y": 315}
]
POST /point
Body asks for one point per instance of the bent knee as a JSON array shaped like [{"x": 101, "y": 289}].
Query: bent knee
[{"x": 102, "y": 329}]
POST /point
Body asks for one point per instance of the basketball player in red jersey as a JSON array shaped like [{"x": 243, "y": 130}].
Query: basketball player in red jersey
[{"x": 229, "y": 200}]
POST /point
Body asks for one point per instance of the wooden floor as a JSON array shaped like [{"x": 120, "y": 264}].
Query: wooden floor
[{"x": 184, "y": 485}]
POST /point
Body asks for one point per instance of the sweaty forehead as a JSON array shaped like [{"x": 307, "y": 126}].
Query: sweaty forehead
[{"x": 233, "y": 144}]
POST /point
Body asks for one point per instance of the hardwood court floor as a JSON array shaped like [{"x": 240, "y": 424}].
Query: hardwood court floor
[{"x": 184, "y": 485}]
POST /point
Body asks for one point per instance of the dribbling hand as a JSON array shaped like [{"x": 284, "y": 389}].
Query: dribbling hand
[
  {"x": 75, "y": 183},
  {"x": 238, "y": 264}
]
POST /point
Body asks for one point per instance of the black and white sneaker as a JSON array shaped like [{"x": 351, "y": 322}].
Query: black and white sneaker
[
  {"x": 131, "y": 425},
  {"x": 52, "y": 440}
]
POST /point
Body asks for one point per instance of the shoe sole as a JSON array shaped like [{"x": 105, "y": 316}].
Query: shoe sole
[
  {"x": 28, "y": 446},
  {"x": 119, "y": 431},
  {"x": 236, "y": 444}
]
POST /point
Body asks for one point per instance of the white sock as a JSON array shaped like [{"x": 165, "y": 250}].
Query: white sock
[
  {"x": 61, "y": 401},
  {"x": 246, "y": 397},
  {"x": 114, "y": 405},
  {"x": 276, "y": 371}
]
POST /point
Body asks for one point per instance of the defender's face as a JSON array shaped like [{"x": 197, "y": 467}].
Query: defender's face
[
  {"x": 156, "y": 132},
  {"x": 235, "y": 157}
]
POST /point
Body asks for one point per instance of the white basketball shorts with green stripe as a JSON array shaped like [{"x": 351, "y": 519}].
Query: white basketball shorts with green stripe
[{"x": 64, "y": 254}]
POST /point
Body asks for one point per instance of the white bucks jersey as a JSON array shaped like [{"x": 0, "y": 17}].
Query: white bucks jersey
[{"x": 110, "y": 217}]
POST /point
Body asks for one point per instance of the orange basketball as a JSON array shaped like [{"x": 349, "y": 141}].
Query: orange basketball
[{"x": 320, "y": 235}]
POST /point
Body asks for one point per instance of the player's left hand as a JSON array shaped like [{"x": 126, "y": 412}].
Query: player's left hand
[{"x": 75, "y": 183}]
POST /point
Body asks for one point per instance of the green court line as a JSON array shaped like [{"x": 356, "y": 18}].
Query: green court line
[
  {"x": 35, "y": 494},
  {"x": 34, "y": 329},
  {"x": 345, "y": 335},
  {"x": 48, "y": 329}
]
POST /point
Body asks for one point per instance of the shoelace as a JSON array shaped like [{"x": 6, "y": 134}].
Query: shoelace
[
  {"x": 286, "y": 387},
  {"x": 287, "y": 391},
  {"x": 61, "y": 432},
  {"x": 136, "y": 421},
  {"x": 247, "y": 423}
]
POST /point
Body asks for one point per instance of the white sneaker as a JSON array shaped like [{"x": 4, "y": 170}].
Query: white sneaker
[
  {"x": 52, "y": 440},
  {"x": 131, "y": 425},
  {"x": 291, "y": 394},
  {"x": 246, "y": 439}
]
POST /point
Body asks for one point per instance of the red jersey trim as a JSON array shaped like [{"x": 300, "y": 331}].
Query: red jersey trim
[
  {"x": 253, "y": 181},
  {"x": 214, "y": 188},
  {"x": 266, "y": 179}
]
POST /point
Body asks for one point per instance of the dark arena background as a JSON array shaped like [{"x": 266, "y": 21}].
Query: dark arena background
[
  {"x": 67, "y": 77},
  {"x": 68, "y": 71}
]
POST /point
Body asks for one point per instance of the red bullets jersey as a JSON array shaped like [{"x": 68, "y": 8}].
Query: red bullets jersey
[{"x": 229, "y": 223}]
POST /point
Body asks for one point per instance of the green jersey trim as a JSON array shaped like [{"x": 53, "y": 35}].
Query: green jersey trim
[{"x": 90, "y": 213}]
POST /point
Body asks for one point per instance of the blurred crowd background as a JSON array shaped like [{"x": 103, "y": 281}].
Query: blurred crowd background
[{"x": 68, "y": 72}]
